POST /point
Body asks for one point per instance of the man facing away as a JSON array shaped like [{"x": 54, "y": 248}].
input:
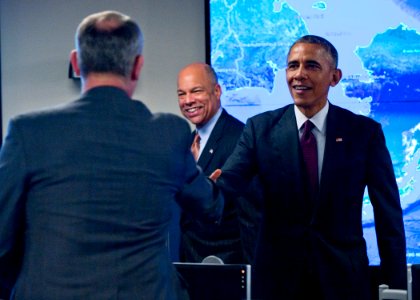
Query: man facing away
[
  {"x": 314, "y": 161},
  {"x": 233, "y": 240},
  {"x": 87, "y": 187}
]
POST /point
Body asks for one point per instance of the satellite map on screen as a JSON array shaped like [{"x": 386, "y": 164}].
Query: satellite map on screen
[{"x": 378, "y": 42}]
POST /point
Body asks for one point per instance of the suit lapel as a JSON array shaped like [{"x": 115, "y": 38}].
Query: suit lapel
[
  {"x": 335, "y": 144},
  {"x": 213, "y": 142},
  {"x": 285, "y": 141}
]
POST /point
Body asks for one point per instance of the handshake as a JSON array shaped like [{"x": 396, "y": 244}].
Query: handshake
[{"x": 215, "y": 175}]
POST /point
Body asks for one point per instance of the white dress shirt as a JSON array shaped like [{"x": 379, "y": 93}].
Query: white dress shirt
[
  {"x": 206, "y": 130},
  {"x": 319, "y": 131}
]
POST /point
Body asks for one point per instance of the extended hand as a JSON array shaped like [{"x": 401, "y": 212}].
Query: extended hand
[{"x": 215, "y": 175}]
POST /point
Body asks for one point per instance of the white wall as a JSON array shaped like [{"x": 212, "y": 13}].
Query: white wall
[{"x": 38, "y": 35}]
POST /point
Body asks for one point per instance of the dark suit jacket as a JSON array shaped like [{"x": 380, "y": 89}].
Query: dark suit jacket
[
  {"x": 224, "y": 240},
  {"x": 328, "y": 240},
  {"x": 85, "y": 199}
]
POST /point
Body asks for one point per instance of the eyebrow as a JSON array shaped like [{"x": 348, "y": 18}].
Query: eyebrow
[
  {"x": 313, "y": 62},
  {"x": 292, "y": 62}
]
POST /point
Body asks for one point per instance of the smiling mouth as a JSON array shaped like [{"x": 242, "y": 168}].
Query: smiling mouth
[
  {"x": 193, "y": 109},
  {"x": 301, "y": 88}
]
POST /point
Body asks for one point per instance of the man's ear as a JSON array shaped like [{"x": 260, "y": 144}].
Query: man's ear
[
  {"x": 218, "y": 90},
  {"x": 74, "y": 62},
  {"x": 137, "y": 66},
  {"x": 336, "y": 77}
]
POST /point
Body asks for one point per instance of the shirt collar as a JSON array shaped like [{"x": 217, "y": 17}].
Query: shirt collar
[
  {"x": 206, "y": 130},
  {"x": 318, "y": 119}
]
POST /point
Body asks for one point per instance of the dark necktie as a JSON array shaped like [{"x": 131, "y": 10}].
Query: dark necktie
[
  {"x": 195, "y": 146},
  {"x": 310, "y": 155}
]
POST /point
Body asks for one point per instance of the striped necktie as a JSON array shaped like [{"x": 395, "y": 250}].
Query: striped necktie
[{"x": 195, "y": 146}]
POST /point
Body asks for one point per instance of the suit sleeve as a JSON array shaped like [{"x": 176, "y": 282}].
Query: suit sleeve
[
  {"x": 12, "y": 178},
  {"x": 240, "y": 167},
  {"x": 199, "y": 195},
  {"x": 384, "y": 195}
]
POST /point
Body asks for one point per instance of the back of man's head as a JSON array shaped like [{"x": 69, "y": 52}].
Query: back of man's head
[{"x": 108, "y": 42}]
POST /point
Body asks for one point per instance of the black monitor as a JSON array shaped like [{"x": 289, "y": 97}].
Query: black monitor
[
  {"x": 415, "y": 281},
  {"x": 214, "y": 281}
]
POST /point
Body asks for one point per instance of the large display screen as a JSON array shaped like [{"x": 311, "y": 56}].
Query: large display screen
[{"x": 378, "y": 42}]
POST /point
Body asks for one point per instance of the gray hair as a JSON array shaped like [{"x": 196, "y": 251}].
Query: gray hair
[{"x": 108, "y": 42}]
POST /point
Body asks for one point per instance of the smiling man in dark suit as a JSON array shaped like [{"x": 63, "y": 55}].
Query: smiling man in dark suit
[
  {"x": 311, "y": 244},
  {"x": 86, "y": 188},
  {"x": 233, "y": 240}
]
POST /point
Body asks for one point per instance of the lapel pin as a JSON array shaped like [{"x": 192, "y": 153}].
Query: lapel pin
[
  {"x": 211, "y": 151},
  {"x": 339, "y": 139}
]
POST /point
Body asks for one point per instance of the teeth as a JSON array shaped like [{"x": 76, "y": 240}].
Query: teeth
[
  {"x": 191, "y": 110},
  {"x": 301, "y": 88}
]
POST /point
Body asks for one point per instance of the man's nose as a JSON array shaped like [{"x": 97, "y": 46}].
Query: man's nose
[
  {"x": 189, "y": 98},
  {"x": 300, "y": 73}
]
